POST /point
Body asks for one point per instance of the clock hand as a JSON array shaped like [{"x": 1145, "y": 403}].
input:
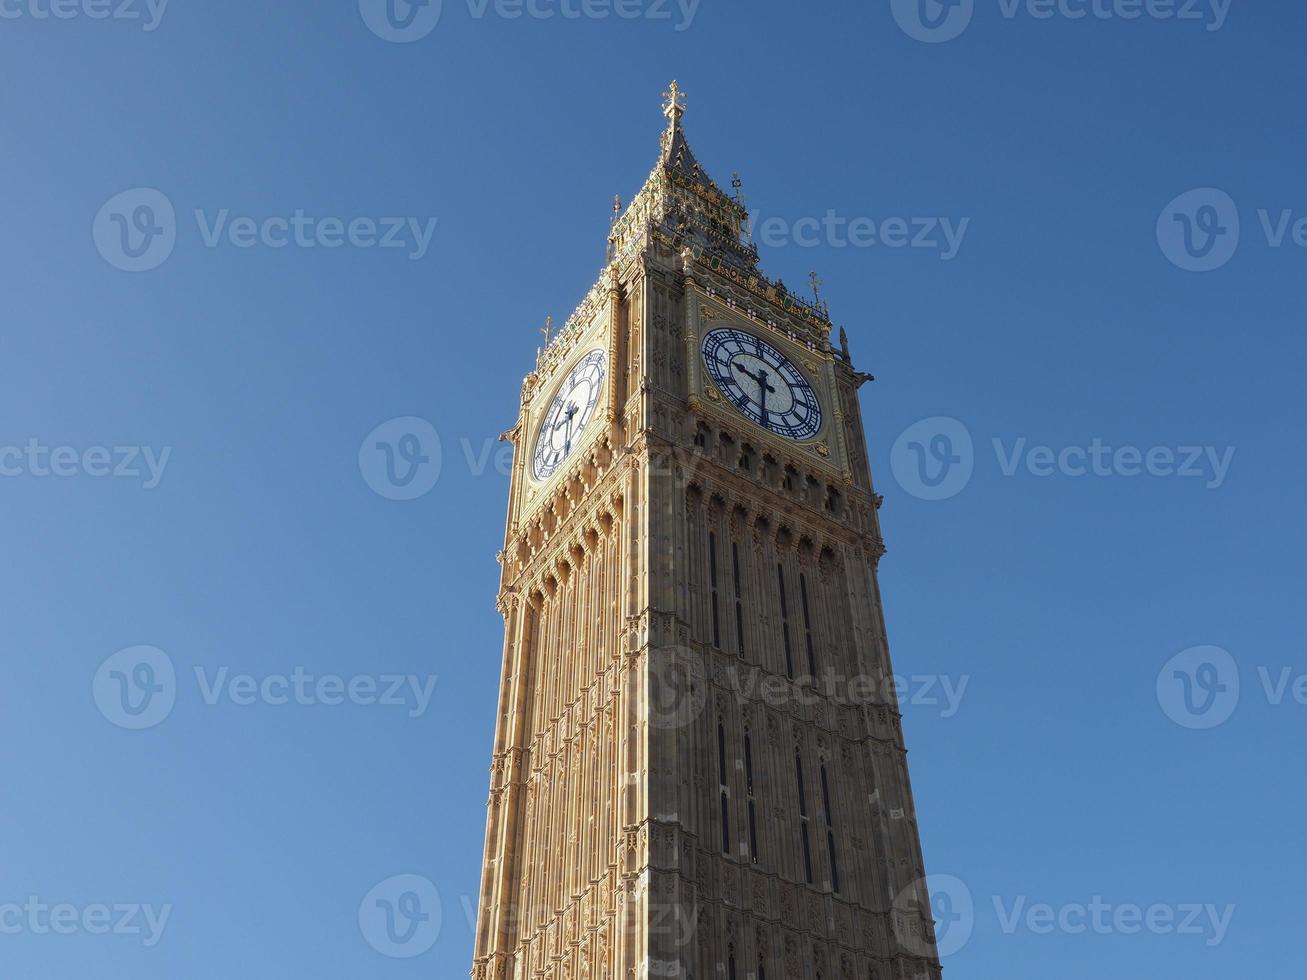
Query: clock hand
[
  {"x": 748, "y": 374},
  {"x": 763, "y": 387},
  {"x": 567, "y": 435},
  {"x": 762, "y": 380},
  {"x": 567, "y": 416}
]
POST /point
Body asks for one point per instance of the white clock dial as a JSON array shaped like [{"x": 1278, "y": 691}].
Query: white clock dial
[
  {"x": 762, "y": 383},
  {"x": 569, "y": 413}
]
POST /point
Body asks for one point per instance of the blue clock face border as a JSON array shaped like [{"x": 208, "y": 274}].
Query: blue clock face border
[
  {"x": 570, "y": 411},
  {"x": 762, "y": 383}
]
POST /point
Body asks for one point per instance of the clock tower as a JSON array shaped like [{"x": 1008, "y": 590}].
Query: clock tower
[{"x": 699, "y": 769}]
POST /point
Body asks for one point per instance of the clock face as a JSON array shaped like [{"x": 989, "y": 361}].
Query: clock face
[
  {"x": 568, "y": 414},
  {"x": 762, "y": 383}
]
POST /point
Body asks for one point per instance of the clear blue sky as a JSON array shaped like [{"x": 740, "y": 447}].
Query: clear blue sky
[{"x": 1061, "y": 776}]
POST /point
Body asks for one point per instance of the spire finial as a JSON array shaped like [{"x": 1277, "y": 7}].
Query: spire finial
[
  {"x": 612, "y": 228},
  {"x": 547, "y": 329},
  {"x": 815, "y": 283},
  {"x": 674, "y": 107}
]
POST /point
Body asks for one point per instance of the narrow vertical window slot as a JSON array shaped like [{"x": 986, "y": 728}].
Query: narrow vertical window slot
[
  {"x": 739, "y": 602},
  {"x": 752, "y": 803},
  {"x": 785, "y": 621},
  {"x": 807, "y": 627},
  {"x": 803, "y": 819},
  {"x": 712, "y": 572},
  {"x": 721, "y": 778},
  {"x": 830, "y": 831}
]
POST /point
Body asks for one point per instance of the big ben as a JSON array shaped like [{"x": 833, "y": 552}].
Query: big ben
[{"x": 682, "y": 784}]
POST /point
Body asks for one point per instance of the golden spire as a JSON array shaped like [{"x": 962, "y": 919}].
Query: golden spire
[{"x": 674, "y": 107}]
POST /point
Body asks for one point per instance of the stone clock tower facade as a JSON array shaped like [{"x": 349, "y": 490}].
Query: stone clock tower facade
[{"x": 699, "y": 769}]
